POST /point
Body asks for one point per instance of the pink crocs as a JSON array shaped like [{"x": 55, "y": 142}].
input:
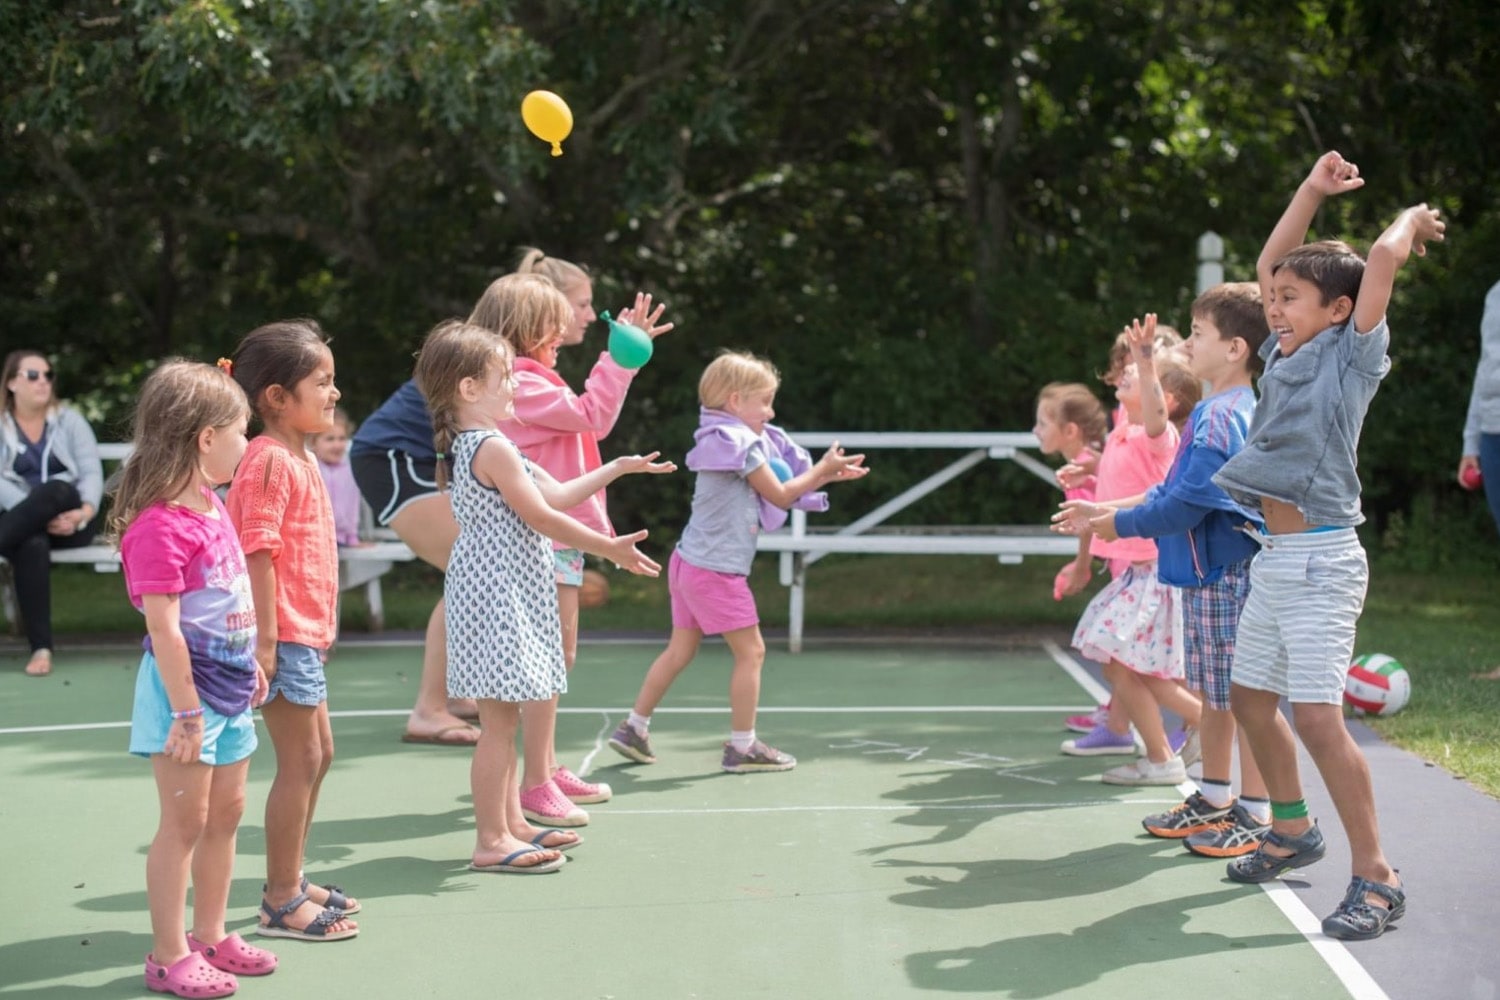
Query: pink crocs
[
  {"x": 234, "y": 954},
  {"x": 189, "y": 977},
  {"x": 582, "y": 792},
  {"x": 547, "y": 805}
]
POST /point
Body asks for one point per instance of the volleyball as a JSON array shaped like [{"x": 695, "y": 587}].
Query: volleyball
[
  {"x": 1377, "y": 685},
  {"x": 595, "y": 590}
]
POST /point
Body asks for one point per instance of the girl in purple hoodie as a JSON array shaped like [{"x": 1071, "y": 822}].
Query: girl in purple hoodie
[{"x": 749, "y": 474}]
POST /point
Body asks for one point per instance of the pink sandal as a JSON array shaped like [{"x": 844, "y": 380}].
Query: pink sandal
[
  {"x": 190, "y": 977},
  {"x": 234, "y": 954}
]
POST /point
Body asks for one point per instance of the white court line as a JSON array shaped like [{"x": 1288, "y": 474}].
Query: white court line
[
  {"x": 991, "y": 807},
  {"x": 1355, "y": 978},
  {"x": 376, "y": 713}
]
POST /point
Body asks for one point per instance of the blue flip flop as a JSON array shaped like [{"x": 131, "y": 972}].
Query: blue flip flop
[
  {"x": 505, "y": 867},
  {"x": 537, "y": 840}
]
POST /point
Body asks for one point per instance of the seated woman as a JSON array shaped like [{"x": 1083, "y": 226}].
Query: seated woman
[{"x": 50, "y": 485}]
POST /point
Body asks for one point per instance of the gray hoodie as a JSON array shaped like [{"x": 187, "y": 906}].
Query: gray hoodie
[
  {"x": 70, "y": 440},
  {"x": 1484, "y": 401}
]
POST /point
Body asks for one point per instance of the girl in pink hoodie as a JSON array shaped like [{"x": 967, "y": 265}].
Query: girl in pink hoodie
[{"x": 560, "y": 431}]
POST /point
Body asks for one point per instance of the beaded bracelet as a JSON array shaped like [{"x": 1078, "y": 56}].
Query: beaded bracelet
[{"x": 189, "y": 713}]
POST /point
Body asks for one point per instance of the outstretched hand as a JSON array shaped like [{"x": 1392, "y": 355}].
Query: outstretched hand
[
  {"x": 643, "y": 316},
  {"x": 835, "y": 464},
  {"x": 1333, "y": 175},
  {"x": 624, "y": 554},
  {"x": 1073, "y": 517},
  {"x": 644, "y": 463}
]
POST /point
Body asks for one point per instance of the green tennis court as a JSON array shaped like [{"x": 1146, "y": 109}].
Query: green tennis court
[{"x": 931, "y": 839}]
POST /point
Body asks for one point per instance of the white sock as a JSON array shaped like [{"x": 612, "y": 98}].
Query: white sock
[
  {"x": 741, "y": 741},
  {"x": 1217, "y": 793},
  {"x": 1259, "y": 809},
  {"x": 640, "y": 723}
]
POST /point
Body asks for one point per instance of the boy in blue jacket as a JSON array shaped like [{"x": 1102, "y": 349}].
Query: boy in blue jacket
[{"x": 1201, "y": 550}]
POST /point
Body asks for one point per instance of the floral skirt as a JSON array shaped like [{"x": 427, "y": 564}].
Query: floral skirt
[{"x": 1137, "y": 620}]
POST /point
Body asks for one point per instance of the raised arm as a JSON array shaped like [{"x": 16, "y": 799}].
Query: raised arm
[
  {"x": 1331, "y": 175},
  {"x": 1142, "y": 339},
  {"x": 1409, "y": 233},
  {"x": 834, "y": 466}
]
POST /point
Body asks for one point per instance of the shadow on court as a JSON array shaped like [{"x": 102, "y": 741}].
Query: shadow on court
[{"x": 1033, "y": 966}]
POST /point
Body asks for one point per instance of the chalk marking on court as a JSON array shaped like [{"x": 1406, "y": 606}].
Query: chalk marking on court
[
  {"x": 588, "y": 759},
  {"x": 1354, "y": 977}
]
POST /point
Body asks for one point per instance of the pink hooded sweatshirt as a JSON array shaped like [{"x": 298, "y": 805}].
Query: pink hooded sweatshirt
[{"x": 560, "y": 431}]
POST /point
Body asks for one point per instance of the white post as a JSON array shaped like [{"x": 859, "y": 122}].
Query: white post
[{"x": 1210, "y": 261}]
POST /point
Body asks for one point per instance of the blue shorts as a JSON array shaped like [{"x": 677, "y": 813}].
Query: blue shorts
[
  {"x": 226, "y": 738},
  {"x": 569, "y": 566},
  {"x": 299, "y": 675}
]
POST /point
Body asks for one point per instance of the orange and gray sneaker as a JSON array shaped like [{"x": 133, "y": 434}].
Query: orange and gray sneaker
[
  {"x": 1237, "y": 833},
  {"x": 1192, "y": 816}
]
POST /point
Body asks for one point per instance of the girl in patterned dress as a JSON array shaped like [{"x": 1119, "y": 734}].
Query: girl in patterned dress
[{"x": 504, "y": 632}]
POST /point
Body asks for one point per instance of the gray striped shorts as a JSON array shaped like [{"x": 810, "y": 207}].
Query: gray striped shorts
[{"x": 1296, "y": 634}]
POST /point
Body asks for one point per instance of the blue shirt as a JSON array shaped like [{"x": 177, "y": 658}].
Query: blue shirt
[
  {"x": 1303, "y": 447},
  {"x": 1195, "y": 523},
  {"x": 401, "y": 424}
]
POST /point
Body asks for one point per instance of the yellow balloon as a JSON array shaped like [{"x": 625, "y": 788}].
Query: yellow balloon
[{"x": 548, "y": 117}]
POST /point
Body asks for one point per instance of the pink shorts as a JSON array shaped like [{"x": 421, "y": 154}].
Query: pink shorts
[{"x": 707, "y": 600}]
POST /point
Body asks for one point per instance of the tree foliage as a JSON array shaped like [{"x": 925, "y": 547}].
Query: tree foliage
[{"x": 922, "y": 210}]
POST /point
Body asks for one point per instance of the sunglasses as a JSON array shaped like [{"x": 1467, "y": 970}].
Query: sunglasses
[{"x": 32, "y": 375}]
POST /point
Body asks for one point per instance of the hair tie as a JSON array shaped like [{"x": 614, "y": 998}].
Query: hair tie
[
  {"x": 441, "y": 456},
  {"x": 226, "y": 365}
]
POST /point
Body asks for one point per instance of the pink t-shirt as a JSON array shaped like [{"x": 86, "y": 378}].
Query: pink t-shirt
[
  {"x": 278, "y": 503},
  {"x": 1132, "y": 462},
  {"x": 170, "y": 549}
]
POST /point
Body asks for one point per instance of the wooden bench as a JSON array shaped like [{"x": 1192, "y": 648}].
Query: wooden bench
[
  {"x": 800, "y": 547},
  {"x": 361, "y": 566}
]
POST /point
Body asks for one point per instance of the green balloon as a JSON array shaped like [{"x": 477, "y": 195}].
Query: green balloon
[{"x": 630, "y": 346}]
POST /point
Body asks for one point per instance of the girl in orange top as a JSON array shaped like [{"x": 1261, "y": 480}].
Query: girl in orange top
[{"x": 280, "y": 508}]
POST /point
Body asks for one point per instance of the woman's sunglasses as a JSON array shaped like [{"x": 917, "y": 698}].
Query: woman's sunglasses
[{"x": 32, "y": 375}]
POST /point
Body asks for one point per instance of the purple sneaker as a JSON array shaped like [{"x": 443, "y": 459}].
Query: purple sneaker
[
  {"x": 758, "y": 758},
  {"x": 1100, "y": 741}
]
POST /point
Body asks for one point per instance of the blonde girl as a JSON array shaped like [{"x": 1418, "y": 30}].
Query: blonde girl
[
  {"x": 504, "y": 644},
  {"x": 739, "y": 491},
  {"x": 281, "y": 509},
  {"x": 198, "y": 679},
  {"x": 560, "y": 431}
]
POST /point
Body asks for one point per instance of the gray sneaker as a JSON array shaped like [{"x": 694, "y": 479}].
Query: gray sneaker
[
  {"x": 628, "y": 743},
  {"x": 758, "y": 758}
]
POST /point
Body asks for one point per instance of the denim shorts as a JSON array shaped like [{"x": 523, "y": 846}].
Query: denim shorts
[
  {"x": 569, "y": 566},
  {"x": 299, "y": 674},
  {"x": 226, "y": 738}
]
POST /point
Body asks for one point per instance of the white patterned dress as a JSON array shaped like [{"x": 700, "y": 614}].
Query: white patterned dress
[{"x": 504, "y": 632}]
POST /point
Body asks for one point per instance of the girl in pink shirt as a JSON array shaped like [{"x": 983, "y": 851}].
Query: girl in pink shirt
[
  {"x": 1134, "y": 625},
  {"x": 560, "y": 431},
  {"x": 280, "y": 507},
  {"x": 198, "y": 678}
]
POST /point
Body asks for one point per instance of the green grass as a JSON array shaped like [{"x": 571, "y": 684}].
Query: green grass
[{"x": 1442, "y": 626}]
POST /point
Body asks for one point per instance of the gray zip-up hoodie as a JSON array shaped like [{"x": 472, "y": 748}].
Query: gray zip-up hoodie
[
  {"x": 70, "y": 440},
  {"x": 1484, "y": 401}
]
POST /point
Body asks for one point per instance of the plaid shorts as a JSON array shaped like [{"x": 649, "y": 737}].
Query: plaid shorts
[{"x": 1210, "y": 619}]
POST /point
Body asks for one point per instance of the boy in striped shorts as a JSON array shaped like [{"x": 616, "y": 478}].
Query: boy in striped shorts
[
  {"x": 1201, "y": 550},
  {"x": 1326, "y": 307}
]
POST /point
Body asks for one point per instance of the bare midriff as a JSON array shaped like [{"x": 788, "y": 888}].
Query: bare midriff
[{"x": 1282, "y": 518}]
